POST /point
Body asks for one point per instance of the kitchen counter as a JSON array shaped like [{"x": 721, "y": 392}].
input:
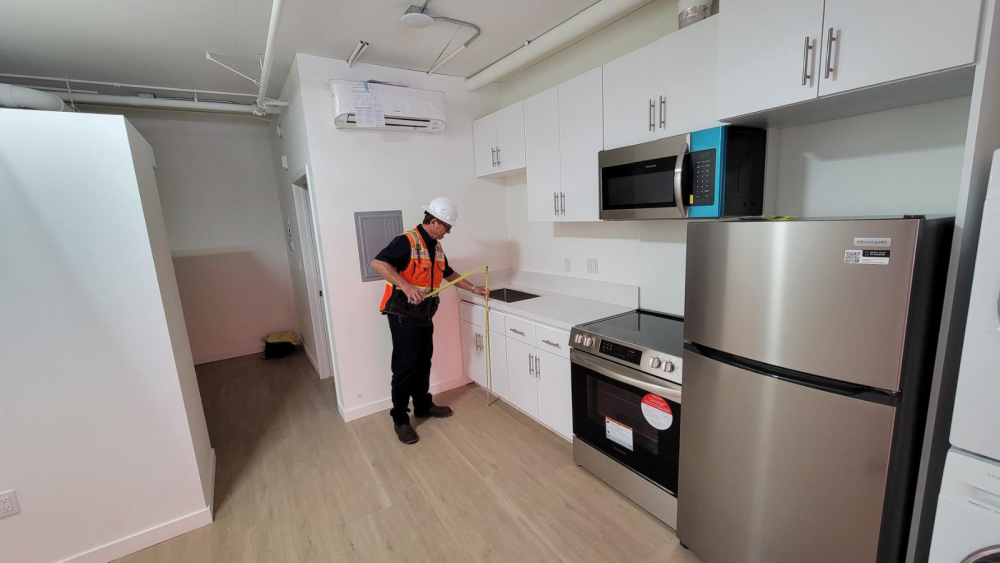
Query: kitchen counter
[{"x": 554, "y": 309}]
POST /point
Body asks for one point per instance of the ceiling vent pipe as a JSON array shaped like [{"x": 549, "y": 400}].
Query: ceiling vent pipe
[
  {"x": 579, "y": 26},
  {"x": 27, "y": 98}
]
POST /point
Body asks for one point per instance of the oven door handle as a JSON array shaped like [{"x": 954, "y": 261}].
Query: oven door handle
[{"x": 645, "y": 382}]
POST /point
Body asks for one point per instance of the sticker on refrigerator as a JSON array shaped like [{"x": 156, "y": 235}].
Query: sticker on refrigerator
[
  {"x": 872, "y": 241},
  {"x": 618, "y": 432},
  {"x": 879, "y": 257},
  {"x": 657, "y": 412}
]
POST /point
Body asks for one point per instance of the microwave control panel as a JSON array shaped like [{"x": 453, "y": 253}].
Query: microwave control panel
[
  {"x": 703, "y": 181},
  {"x": 630, "y": 355}
]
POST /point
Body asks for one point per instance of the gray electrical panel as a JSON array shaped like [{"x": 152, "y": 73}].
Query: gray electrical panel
[{"x": 375, "y": 229}]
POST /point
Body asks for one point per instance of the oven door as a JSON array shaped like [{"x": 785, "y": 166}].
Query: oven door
[
  {"x": 647, "y": 181},
  {"x": 632, "y": 417}
]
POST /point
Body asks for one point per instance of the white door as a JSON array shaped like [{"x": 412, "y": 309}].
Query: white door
[
  {"x": 473, "y": 354},
  {"x": 885, "y": 40},
  {"x": 521, "y": 383},
  {"x": 510, "y": 137},
  {"x": 498, "y": 363},
  {"x": 688, "y": 73},
  {"x": 555, "y": 396},
  {"x": 630, "y": 92},
  {"x": 541, "y": 143},
  {"x": 312, "y": 263},
  {"x": 764, "y": 62},
  {"x": 581, "y": 138},
  {"x": 484, "y": 140}
]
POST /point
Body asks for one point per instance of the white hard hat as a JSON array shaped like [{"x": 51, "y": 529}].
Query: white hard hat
[{"x": 443, "y": 209}]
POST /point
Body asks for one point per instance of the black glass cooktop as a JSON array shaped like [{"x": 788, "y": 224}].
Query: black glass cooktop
[{"x": 656, "y": 331}]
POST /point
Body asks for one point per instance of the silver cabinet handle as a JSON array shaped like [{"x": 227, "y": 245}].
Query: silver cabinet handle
[
  {"x": 531, "y": 364},
  {"x": 555, "y": 203},
  {"x": 830, "y": 38},
  {"x": 562, "y": 203},
  {"x": 498, "y": 157},
  {"x": 663, "y": 112},
  {"x": 493, "y": 151},
  {"x": 538, "y": 367},
  {"x": 477, "y": 341},
  {"x": 552, "y": 343},
  {"x": 806, "y": 76},
  {"x": 652, "y": 120},
  {"x": 515, "y": 331}
]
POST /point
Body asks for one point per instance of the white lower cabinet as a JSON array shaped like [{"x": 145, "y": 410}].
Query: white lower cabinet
[
  {"x": 498, "y": 363},
  {"x": 555, "y": 397},
  {"x": 521, "y": 384},
  {"x": 473, "y": 352}
]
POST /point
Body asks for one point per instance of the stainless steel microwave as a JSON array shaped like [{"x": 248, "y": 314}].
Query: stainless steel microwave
[{"x": 716, "y": 172}]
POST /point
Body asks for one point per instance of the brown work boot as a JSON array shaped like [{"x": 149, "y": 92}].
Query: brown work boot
[
  {"x": 436, "y": 412},
  {"x": 406, "y": 433}
]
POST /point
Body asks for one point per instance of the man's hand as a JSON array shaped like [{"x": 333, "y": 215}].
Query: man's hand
[
  {"x": 413, "y": 294},
  {"x": 479, "y": 290}
]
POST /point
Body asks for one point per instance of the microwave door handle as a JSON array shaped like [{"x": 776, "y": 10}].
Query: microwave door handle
[
  {"x": 679, "y": 178},
  {"x": 645, "y": 382}
]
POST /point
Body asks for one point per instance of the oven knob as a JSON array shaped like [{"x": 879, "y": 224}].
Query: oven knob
[
  {"x": 668, "y": 367},
  {"x": 588, "y": 341},
  {"x": 654, "y": 363},
  {"x": 578, "y": 339}
]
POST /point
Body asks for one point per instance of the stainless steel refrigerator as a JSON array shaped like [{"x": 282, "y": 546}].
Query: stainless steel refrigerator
[{"x": 807, "y": 366}]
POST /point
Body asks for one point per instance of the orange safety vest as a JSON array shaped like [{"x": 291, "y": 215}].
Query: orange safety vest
[{"x": 419, "y": 271}]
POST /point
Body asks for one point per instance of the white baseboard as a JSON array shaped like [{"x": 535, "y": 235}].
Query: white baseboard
[
  {"x": 227, "y": 354},
  {"x": 145, "y": 538},
  {"x": 386, "y": 404},
  {"x": 210, "y": 493}
]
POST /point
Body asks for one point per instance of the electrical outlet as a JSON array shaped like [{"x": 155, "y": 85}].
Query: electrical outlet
[
  {"x": 591, "y": 265},
  {"x": 568, "y": 264},
  {"x": 8, "y": 504}
]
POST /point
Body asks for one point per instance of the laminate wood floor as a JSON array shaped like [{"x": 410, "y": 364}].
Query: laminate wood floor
[{"x": 295, "y": 483}]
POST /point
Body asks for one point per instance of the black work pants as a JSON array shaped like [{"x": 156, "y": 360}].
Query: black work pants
[{"x": 412, "y": 348}]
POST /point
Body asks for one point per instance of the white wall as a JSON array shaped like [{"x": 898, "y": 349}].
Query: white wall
[
  {"x": 225, "y": 227},
  {"x": 366, "y": 171},
  {"x": 102, "y": 431}
]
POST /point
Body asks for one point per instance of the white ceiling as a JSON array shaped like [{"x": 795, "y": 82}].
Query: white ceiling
[{"x": 163, "y": 42}]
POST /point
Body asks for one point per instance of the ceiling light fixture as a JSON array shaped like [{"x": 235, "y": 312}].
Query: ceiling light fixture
[{"x": 418, "y": 18}]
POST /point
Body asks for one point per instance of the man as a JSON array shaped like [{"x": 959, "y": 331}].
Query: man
[{"x": 413, "y": 265}]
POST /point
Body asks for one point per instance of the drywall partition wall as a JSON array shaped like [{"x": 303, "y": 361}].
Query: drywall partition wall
[
  {"x": 225, "y": 228},
  {"x": 97, "y": 436},
  {"x": 365, "y": 171}
]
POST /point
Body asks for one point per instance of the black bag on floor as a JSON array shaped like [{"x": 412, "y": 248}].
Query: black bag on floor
[{"x": 275, "y": 350}]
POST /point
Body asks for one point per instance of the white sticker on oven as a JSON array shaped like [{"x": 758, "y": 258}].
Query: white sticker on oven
[
  {"x": 618, "y": 433},
  {"x": 657, "y": 412},
  {"x": 873, "y": 241},
  {"x": 879, "y": 257}
]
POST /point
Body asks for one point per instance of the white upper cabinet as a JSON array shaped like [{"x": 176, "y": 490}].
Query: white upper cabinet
[
  {"x": 581, "y": 137},
  {"x": 886, "y": 40},
  {"x": 768, "y": 54},
  {"x": 631, "y": 95},
  {"x": 687, "y": 67},
  {"x": 499, "y": 142},
  {"x": 510, "y": 138},
  {"x": 541, "y": 148}
]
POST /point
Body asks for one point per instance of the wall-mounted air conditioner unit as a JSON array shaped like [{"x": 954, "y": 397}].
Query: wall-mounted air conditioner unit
[{"x": 381, "y": 107}]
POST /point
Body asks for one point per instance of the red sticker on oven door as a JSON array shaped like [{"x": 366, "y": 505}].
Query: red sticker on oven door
[{"x": 657, "y": 412}]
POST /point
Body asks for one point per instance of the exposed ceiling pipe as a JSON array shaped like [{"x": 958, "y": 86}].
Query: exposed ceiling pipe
[
  {"x": 27, "y": 98},
  {"x": 158, "y": 103},
  {"x": 265, "y": 71},
  {"x": 586, "y": 22}
]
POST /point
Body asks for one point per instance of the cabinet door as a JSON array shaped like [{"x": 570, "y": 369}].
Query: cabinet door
[
  {"x": 630, "y": 86},
  {"x": 688, "y": 72},
  {"x": 555, "y": 397},
  {"x": 473, "y": 356},
  {"x": 521, "y": 383},
  {"x": 581, "y": 137},
  {"x": 484, "y": 139},
  {"x": 510, "y": 137},
  {"x": 541, "y": 144},
  {"x": 888, "y": 40},
  {"x": 763, "y": 56},
  {"x": 498, "y": 364}
]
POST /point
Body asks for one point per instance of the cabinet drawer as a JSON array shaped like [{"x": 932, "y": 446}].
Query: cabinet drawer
[
  {"x": 520, "y": 329},
  {"x": 476, "y": 314},
  {"x": 552, "y": 340}
]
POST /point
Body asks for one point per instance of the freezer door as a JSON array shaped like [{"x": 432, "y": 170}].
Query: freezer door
[
  {"x": 776, "y": 472},
  {"x": 789, "y": 294}
]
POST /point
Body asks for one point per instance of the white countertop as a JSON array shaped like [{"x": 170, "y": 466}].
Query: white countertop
[{"x": 555, "y": 309}]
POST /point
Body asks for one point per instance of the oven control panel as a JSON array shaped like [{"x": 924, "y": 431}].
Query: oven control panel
[
  {"x": 663, "y": 366},
  {"x": 630, "y": 355}
]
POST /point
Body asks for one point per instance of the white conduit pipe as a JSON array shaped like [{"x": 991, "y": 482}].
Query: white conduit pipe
[
  {"x": 586, "y": 22},
  {"x": 265, "y": 71},
  {"x": 155, "y": 103},
  {"x": 26, "y": 98}
]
